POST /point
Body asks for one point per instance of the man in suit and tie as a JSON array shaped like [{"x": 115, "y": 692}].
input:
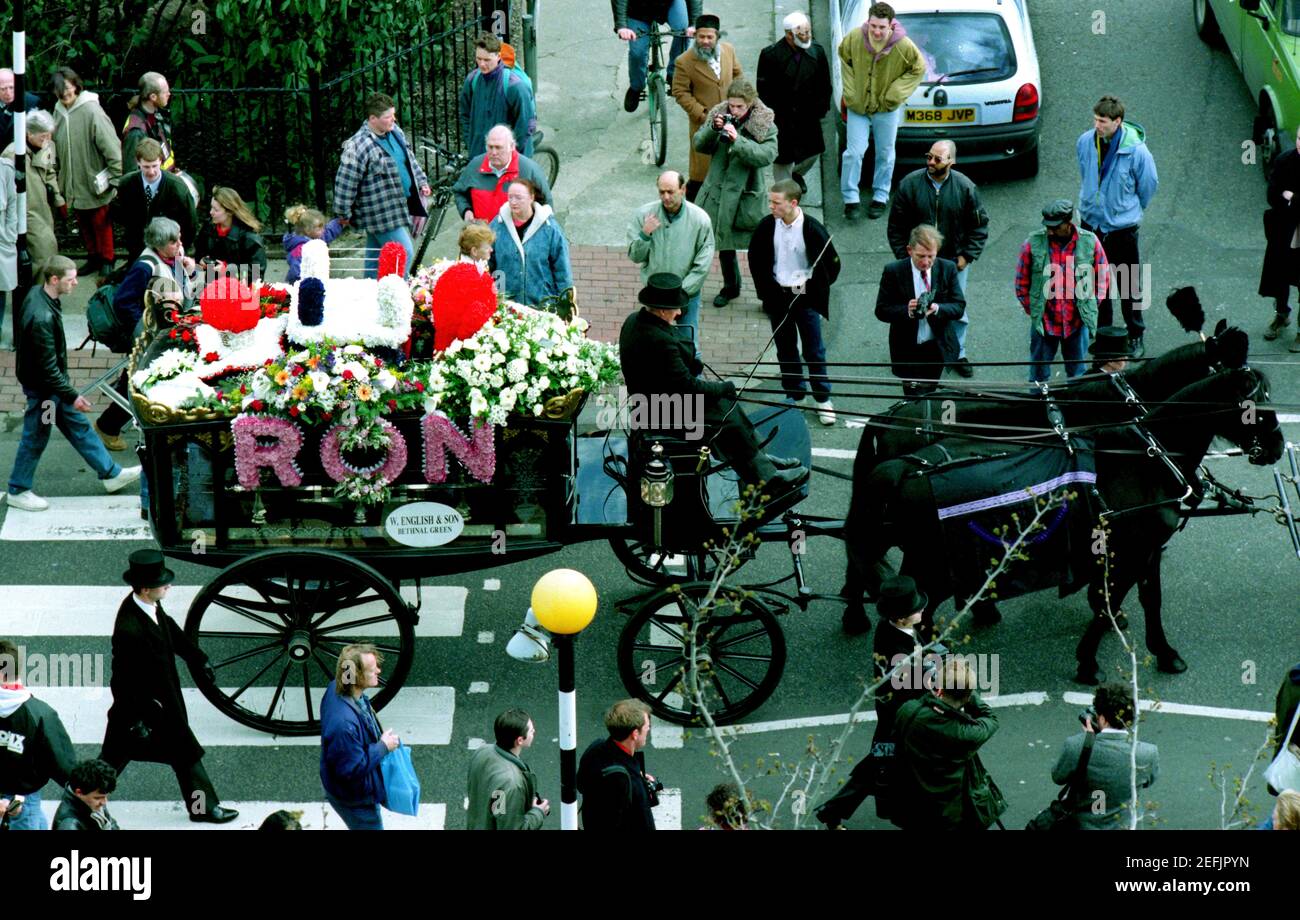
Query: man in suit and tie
[
  {"x": 148, "y": 720},
  {"x": 1107, "y": 799},
  {"x": 919, "y": 297},
  {"x": 151, "y": 192}
]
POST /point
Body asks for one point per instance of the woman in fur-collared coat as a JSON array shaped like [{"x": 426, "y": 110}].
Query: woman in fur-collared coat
[{"x": 740, "y": 135}]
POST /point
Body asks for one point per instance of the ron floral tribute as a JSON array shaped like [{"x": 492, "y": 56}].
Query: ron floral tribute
[{"x": 339, "y": 356}]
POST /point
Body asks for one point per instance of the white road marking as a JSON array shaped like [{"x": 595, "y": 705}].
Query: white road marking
[
  {"x": 421, "y": 715},
  {"x": 486, "y": 638},
  {"x": 474, "y": 744},
  {"x": 779, "y": 725},
  {"x": 855, "y": 423},
  {"x": 95, "y": 517},
  {"x": 1286, "y": 418},
  {"x": 1180, "y": 709},
  {"x": 492, "y": 584},
  {"x": 316, "y": 816},
  {"x": 478, "y": 686},
  {"x": 86, "y": 610},
  {"x": 834, "y": 453},
  {"x": 667, "y": 736},
  {"x": 668, "y": 816}
]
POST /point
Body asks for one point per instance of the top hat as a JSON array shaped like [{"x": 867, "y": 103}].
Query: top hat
[
  {"x": 708, "y": 21},
  {"x": 148, "y": 570},
  {"x": 1060, "y": 211},
  {"x": 1111, "y": 342},
  {"x": 663, "y": 291},
  {"x": 899, "y": 598}
]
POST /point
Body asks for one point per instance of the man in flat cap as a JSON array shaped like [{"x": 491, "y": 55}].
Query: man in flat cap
[{"x": 1060, "y": 276}]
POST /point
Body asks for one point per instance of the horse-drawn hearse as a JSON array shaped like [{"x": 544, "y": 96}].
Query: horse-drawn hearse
[{"x": 332, "y": 445}]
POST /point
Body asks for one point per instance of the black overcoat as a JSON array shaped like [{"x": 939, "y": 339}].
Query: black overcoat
[
  {"x": 172, "y": 200},
  {"x": 147, "y": 689},
  {"x": 762, "y": 260},
  {"x": 1281, "y": 262},
  {"x": 798, "y": 89},
  {"x": 891, "y": 307}
]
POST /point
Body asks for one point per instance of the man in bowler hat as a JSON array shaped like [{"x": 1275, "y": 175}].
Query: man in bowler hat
[
  {"x": 660, "y": 365},
  {"x": 901, "y": 607},
  {"x": 148, "y": 720}
]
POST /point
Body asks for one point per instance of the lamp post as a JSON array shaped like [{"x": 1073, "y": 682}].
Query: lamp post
[{"x": 564, "y": 603}]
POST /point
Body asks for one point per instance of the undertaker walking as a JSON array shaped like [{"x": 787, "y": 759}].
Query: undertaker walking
[{"x": 148, "y": 719}]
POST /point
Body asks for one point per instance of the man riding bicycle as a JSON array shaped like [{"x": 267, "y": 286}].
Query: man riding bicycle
[{"x": 632, "y": 19}]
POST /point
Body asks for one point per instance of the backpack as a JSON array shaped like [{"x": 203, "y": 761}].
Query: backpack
[{"x": 103, "y": 325}]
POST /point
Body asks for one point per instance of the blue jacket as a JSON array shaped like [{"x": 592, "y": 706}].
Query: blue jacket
[
  {"x": 535, "y": 267},
  {"x": 350, "y": 753},
  {"x": 293, "y": 243},
  {"x": 1116, "y": 198}
]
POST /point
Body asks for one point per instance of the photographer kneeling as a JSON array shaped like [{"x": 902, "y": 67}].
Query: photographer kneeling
[{"x": 1103, "y": 802}]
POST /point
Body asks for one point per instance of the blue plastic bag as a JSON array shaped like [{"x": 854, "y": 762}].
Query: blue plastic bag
[{"x": 401, "y": 785}]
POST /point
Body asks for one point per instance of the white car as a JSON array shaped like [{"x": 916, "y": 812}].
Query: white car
[{"x": 981, "y": 87}]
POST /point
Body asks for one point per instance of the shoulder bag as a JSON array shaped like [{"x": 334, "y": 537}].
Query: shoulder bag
[
  {"x": 1284, "y": 771},
  {"x": 1059, "y": 815}
]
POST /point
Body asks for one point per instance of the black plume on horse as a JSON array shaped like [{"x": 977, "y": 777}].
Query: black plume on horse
[{"x": 894, "y": 505}]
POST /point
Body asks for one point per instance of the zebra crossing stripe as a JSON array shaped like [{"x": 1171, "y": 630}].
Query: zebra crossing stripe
[
  {"x": 94, "y": 517},
  {"x": 87, "y": 610},
  {"x": 420, "y": 715},
  {"x": 316, "y": 816},
  {"x": 668, "y": 816}
]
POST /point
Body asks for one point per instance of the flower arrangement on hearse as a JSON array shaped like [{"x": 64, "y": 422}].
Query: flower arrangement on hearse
[{"x": 338, "y": 360}]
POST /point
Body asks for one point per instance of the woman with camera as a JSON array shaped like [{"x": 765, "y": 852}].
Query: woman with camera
[{"x": 740, "y": 136}]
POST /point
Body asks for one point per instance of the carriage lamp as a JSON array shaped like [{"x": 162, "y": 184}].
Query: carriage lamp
[
  {"x": 564, "y": 603},
  {"x": 657, "y": 488}
]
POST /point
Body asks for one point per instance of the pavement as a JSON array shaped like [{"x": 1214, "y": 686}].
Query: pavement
[{"x": 1229, "y": 583}]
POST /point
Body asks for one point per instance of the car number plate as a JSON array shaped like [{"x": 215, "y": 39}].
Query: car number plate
[{"x": 939, "y": 116}]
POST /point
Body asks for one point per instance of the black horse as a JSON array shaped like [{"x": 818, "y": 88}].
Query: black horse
[
  {"x": 893, "y": 504},
  {"x": 1094, "y": 400}
]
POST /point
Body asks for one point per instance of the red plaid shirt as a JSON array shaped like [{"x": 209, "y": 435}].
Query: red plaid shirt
[{"x": 1060, "y": 318}]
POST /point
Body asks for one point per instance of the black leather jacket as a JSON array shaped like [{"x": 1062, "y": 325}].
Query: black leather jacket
[{"x": 42, "y": 348}]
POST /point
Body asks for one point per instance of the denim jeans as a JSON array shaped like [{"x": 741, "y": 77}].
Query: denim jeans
[
  {"x": 691, "y": 317},
  {"x": 883, "y": 126},
  {"x": 30, "y": 818},
  {"x": 358, "y": 817},
  {"x": 801, "y": 326},
  {"x": 1074, "y": 349},
  {"x": 959, "y": 325},
  {"x": 36, "y": 434},
  {"x": 638, "y": 49},
  {"x": 376, "y": 241}
]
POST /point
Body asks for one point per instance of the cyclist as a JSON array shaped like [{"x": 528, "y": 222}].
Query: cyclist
[{"x": 635, "y": 16}]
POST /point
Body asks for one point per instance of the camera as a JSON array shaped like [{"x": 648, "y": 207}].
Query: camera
[
  {"x": 653, "y": 787},
  {"x": 727, "y": 119},
  {"x": 923, "y": 302},
  {"x": 1089, "y": 714}
]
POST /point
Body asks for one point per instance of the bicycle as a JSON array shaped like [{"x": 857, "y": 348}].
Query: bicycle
[
  {"x": 656, "y": 91},
  {"x": 446, "y": 166},
  {"x": 547, "y": 157}
]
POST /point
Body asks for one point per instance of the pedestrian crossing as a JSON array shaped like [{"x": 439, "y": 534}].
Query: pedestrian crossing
[
  {"x": 79, "y": 517},
  {"x": 316, "y": 816},
  {"x": 421, "y": 715},
  {"x": 89, "y": 610}
]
